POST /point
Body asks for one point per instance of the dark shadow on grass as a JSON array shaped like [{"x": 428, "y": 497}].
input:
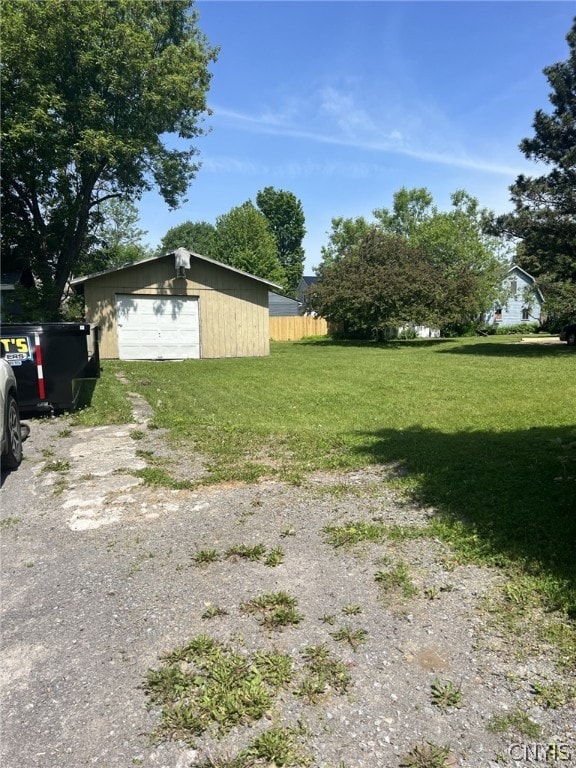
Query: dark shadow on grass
[
  {"x": 510, "y": 349},
  {"x": 368, "y": 344},
  {"x": 511, "y": 489}
]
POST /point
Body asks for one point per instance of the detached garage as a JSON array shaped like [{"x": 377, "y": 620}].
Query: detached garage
[{"x": 181, "y": 305}]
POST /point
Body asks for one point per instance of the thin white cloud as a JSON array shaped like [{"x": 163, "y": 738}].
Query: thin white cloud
[{"x": 356, "y": 129}]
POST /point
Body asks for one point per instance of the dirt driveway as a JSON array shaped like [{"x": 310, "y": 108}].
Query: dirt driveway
[{"x": 101, "y": 576}]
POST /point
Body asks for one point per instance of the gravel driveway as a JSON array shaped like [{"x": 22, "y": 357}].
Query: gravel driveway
[{"x": 99, "y": 580}]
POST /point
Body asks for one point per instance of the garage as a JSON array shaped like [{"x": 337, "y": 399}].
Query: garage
[
  {"x": 181, "y": 305},
  {"x": 157, "y": 327}
]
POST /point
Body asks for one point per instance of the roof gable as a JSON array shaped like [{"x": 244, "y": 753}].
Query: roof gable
[{"x": 178, "y": 255}]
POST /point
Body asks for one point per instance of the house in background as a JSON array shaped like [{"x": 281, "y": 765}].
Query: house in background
[
  {"x": 522, "y": 301},
  {"x": 177, "y": 306},
  {"x": 282, "y": 306},
  {"x": 305, "y": 282},
  {"x": 9, "y": 306}
]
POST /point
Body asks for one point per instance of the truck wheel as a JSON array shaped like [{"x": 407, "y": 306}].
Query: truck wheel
[
  {"x": 13, "y": 452},
  {"x": 571, "y": 338}
]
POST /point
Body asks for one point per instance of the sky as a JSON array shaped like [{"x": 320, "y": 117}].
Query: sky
[{"x": 344, "y": 103}]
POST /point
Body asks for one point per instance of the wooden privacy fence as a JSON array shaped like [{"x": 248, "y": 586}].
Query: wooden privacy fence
[{"x": 294, "y": 328}]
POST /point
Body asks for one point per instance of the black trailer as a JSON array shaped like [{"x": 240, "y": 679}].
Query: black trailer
[{"x": 53, "y": 363}]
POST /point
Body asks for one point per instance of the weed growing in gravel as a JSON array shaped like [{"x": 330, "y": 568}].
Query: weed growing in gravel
[
  {"x": 354, "y": 637},
  {"x": 290, "y": 531},
  {"x": 205, "y": 556},
  {"x": 561, "y": 634},
  {"x": 428, "y": 755},
  {"x": 213, "y": 611},
  {"x": 516, "y": 721},
  {"x": 323, "y": 673},
  {"x": 60, "y": 486},
  {"x": 397, "y": 579},
  {"x": 65, "y": 433},
  {"x": 279, "y": 746},
  {"x": 9, "y": 521},
  {"x": 159, "y": 477},
  {"x": 274, "y": 557},
  {"x": 137, "y": 434},
  {"x": 245, "y": 552},
  {"x": 58, "y": 465},
  {"x": 275, "y": 610},
  {"x": 352, "y": 610},
  {"x": 553, "y": 695},
  {"x": 446, "y": 695},
  {"x": 328, "y": 618},
  {"x": 354, "y": 532},
  {"x": 206, "y": 686}
]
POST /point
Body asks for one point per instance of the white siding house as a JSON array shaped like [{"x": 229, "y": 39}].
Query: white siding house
[{"x": 521, "y": 303}]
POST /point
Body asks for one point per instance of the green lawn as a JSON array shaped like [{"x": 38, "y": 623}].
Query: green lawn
[{"x": 484, "y": 428}]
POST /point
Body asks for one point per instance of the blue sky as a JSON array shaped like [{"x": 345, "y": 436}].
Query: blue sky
[{"x": 343, "y": 103}]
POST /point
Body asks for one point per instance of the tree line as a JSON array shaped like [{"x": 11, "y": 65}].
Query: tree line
[{"x": 91, "y": 89}]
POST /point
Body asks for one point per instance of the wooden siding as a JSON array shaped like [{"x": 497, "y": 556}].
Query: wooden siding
[
  {"x": 294, "y": 328},
  {"x": 233, "y": 308}
]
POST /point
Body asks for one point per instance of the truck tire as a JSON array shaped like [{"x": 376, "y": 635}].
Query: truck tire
[{"x": 12, "y": 456}]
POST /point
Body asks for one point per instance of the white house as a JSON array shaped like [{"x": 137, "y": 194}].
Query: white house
[{"x": 521, "y": 303}]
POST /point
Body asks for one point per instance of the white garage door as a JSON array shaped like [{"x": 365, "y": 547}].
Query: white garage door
[{"x": 157, "y": 327}]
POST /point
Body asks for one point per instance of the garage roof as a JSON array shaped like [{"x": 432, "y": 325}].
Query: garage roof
[{"x": 85, "y": 278}]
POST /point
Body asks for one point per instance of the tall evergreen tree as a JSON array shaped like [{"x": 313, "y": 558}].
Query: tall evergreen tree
[{"x": 544, "y": 216}]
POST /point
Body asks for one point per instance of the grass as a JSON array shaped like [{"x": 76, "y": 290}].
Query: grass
[
  {"x": 397, "y": 579},
  {"x": 323, "y": 674},
  {"x": 428, "y": 755},
  {"x": 205, "y": 686},
  {"x": 482, "y": 429},
  {"x": 275, "y": 610},
  {"x": 515, "y": 722}
]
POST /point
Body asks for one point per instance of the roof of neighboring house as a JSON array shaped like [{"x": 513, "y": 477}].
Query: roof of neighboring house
[
  {"x": 528, "y": 277},
  {"x": 9, "y": 280},
  {"x": 309, "y": 279},
  {"x": 82, "y": 280}
]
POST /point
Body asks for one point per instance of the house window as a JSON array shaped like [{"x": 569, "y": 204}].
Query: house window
[
  {"x": 525, "y": 314},
  {"x": 514, "y": 287}
]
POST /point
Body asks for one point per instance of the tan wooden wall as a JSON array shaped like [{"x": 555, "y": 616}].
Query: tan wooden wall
[
  {"x": 233, "y": 309},
  {"x": 294, "y": 328}
]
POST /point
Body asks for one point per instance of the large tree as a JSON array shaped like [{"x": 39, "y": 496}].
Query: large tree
[
  {"x": 544, "y": 218},
  {"x": 469, "y": 263},
  {"x": 386, "y": 282},
  {"x": 90, "y": 90},
  {"x": 244, "y": 240},
  {"x": 285, "y": 218},
  {"x": 196, "y": 236}
]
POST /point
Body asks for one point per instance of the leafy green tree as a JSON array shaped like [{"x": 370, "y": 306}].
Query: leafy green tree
[
  {"x": 469, "y": 264},
  {"x": 199, "y": 237},
  {"x": 244, "y": 241},
  {"x": 285, "y": 217},
  {"x": 346, "y": 234},
  {"x": 116, "y": 239},
  {"x": 89, "y": 91},
  {"x": 456, "y": 242},
  {"x": 386, "y": 282},
  {"x": 544, "y": 216},
  {"x": 411, "y": 207}
]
